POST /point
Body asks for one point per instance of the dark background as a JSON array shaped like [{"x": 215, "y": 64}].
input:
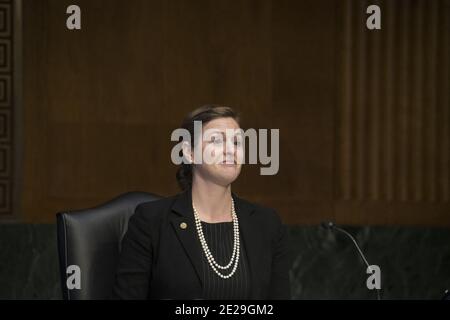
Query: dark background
[{"x": 363, "y": 115}]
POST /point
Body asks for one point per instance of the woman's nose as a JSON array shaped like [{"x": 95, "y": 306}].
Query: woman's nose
[{"x": 229, "y": 148}]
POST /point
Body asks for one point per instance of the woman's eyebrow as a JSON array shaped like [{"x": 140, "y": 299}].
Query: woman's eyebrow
[
  {"x": 223, "y": 132},
  {"x": 216, "y": 131}
]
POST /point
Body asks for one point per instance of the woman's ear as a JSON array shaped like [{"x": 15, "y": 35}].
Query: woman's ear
[{"x": 187, "y": 152}]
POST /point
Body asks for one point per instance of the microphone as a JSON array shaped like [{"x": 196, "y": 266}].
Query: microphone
[{"x": 329, "y": 225}]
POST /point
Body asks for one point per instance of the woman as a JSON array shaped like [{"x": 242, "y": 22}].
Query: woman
[{"x": 205, "y": 243}]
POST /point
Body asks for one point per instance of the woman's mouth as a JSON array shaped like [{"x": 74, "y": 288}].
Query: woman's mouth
[{"x": 230, "y": 163}]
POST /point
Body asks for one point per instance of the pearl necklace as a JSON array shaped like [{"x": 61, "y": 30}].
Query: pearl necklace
[{"x": 234, "y": 257}]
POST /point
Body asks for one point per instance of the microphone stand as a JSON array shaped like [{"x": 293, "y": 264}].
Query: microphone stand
[{"x": 331, "y": 226}]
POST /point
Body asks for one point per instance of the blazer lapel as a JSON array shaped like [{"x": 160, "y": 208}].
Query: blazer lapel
[{"x": 187, "y": 236}]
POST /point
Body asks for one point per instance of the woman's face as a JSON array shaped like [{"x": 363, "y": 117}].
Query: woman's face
[{"x": 222, "y": 142}]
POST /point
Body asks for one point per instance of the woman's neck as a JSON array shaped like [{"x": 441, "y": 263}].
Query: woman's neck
[{"x": 212, "y": 201}]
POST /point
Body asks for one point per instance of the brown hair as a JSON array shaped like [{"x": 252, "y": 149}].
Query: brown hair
[{"x": 204, "y": 114}]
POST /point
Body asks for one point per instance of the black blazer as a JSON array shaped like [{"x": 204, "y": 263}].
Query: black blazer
[{"x": 160, "y": 260}]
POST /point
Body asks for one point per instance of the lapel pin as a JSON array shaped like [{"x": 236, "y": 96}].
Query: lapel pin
[{"x": 183, "y": 225}]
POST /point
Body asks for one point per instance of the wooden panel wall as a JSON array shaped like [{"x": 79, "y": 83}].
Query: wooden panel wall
[
  {"x": 362, "y": 115},
  {"x": 393, "y": 120},
  {"x": 101, "y": 102},
  {"x": 9, "y": 109}
]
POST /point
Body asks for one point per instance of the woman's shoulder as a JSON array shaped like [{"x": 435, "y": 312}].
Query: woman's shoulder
[
  {"x": 260, "y": 210},
  {"x": 155, "y": 207},
  {"x": 158, "y": 203},
  {"x": 263, "y": 218}
]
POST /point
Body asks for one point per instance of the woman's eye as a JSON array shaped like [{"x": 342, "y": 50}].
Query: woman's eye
[{"x": 216, "y": 140}]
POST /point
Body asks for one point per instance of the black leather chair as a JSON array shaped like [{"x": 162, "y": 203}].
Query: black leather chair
[{"x": 91, "y": 239}]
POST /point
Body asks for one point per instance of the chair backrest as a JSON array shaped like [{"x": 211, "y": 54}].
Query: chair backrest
[{"x": 91, "y": 240}]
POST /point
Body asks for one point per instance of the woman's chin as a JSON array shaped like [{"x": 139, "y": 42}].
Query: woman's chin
[
  {"x": 228, "y": 169},
  {"x": 227, "y": 173},
  {"x": 228, "y": 165}
]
